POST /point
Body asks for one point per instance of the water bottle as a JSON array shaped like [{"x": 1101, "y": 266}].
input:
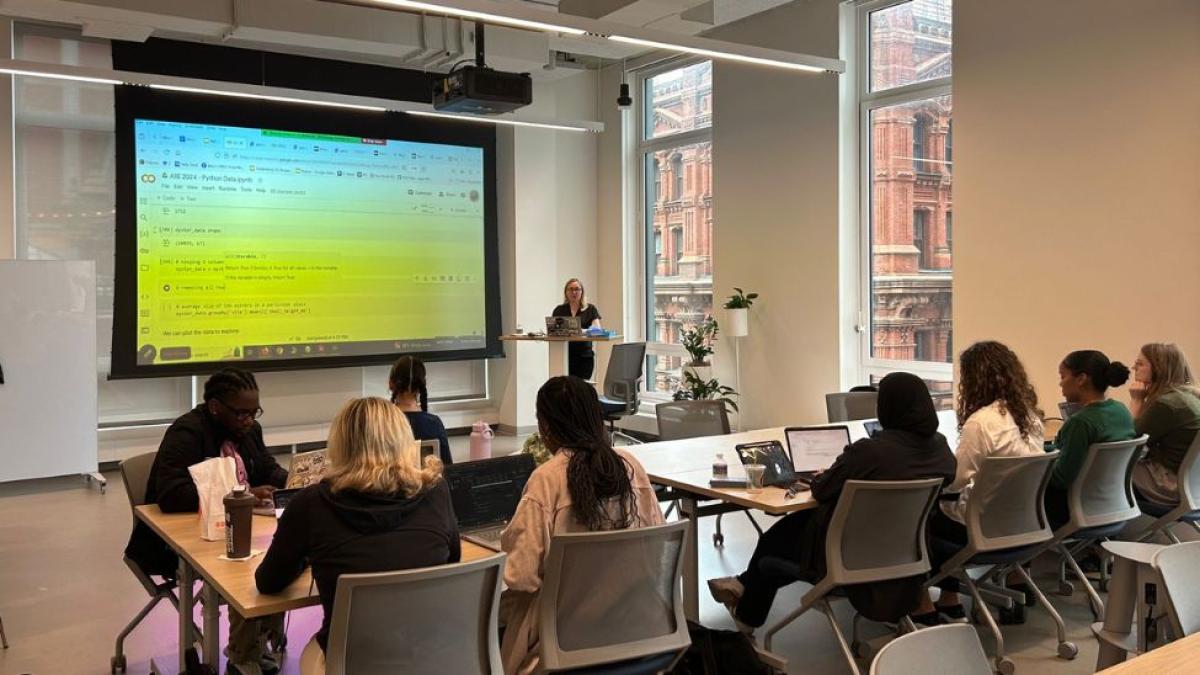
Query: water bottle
[
  {"x": 239, "y": 508},
  {"x": 481, "y": 441},
  {"x": 720, "y": 468}
]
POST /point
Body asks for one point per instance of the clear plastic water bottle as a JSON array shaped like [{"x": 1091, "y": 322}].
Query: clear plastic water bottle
[{"x": 720, "y": 468}]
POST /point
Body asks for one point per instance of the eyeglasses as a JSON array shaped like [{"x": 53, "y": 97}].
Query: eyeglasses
[{"x": 242, "y": 414}]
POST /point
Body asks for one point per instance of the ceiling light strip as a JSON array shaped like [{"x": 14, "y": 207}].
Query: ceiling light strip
[
  {"x": 719, "y": 55},
  {"x": 475, "y": 15},
  {"x": 479, "y": 119}
]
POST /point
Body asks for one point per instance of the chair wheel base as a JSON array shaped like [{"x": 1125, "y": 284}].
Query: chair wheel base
[
  {"x": 1005, "y": 666},
  {"x": 718, "y": 540},
  {"x": 116, "y": 664},
  {"x": 1066, "y": 588},
  {"x": 1067, "y": 650}
]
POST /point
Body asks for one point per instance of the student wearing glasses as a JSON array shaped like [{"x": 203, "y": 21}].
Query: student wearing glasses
[{"x": 224, "y": 425}]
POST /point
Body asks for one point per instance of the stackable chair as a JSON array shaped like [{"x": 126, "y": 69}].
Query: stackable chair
[
  {"x": 621, "y": 380},
  {"x": 1188, "y": 508},
  {"x": 439, "y": 619},
  {"x": 612, "y": 602},
  {"x": 1100, "y": 502},
  {"x": 940, "y": 649},
  {"x": 1006, "y": 523},
  {"x": 877, "y": 534},
  {"x": 852, "y": 405},
  {"x": 678, "y": 420}
]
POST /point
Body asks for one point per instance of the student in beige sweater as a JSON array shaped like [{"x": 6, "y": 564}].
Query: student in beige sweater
[{"x": 585, "y": 486}]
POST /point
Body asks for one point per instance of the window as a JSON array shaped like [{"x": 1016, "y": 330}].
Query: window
[
  {"x": 676, "y": 159},
  {"x": 905, "y": 189}
]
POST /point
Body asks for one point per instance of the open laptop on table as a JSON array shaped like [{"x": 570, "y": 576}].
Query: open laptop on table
[
  {"x": 563, "y": 326},
  {"x": 813, "y": 449},
  {"x": 485, "y": 494}
]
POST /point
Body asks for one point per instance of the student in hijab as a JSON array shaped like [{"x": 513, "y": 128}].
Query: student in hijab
[{"x": 908, "y": 448}]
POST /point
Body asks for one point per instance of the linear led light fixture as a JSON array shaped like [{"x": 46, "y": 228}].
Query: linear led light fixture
[
  {"x": 56, "y": 71},
  {"x": 513, "y": 15}
]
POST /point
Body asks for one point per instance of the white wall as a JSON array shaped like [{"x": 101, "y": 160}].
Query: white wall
[{"x": 1077, "y": 177}]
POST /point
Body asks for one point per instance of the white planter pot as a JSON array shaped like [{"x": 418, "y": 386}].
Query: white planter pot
[
  {"x": 738, "y": 324},
  {"x": 702, "y": 372}
]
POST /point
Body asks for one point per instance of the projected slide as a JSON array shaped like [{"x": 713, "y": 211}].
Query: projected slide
[{"x": 256, "y": 244}]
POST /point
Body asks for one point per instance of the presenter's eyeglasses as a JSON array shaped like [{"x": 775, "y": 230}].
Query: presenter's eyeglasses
[{"x": 242, "y": 414}]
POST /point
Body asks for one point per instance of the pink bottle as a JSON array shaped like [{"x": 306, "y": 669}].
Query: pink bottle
[{"x": 481, "y": 441}]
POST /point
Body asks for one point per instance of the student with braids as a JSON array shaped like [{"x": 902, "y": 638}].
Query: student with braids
[
  {"x": 586, "y": 486},
  {"x": 224, "y": 425},
  {"x": 411, "y": 395}
]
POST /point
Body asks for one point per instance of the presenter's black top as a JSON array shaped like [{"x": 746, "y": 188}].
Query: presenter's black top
[
  {"x": 352, "y": 532},
  {"x": 580, "y": 357},
  {"x": 429, "y": 427},
  {"x": 191, "y": 439}
]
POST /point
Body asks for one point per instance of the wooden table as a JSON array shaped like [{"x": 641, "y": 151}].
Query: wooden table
[
  {"x": 1176, "y": 658},
  {"x": 232, "y": 581},
  {"x": 558, "y": 347}
]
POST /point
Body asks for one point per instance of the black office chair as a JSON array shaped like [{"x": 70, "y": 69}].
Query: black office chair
[{"x": 621, "y": 382}]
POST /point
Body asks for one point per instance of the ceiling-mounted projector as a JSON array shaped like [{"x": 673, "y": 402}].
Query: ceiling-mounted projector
[{"x": 482, "y": 91}]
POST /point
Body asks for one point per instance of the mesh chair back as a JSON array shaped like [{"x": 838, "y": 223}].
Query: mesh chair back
[
  {"x": 612, "y": 596},
  {"x": 135, "y": 474},
  {"x": 430, "y": 620},
  {"x": 1189, "y": 477},
  {"x": 941, "y": 649},
  {"x": 878, "y": 530},
  {"x": 625, "y": 363},
  {"x": 678, "y": 420},
  {"x": 1178, "y": 569},
  {"x": 1102, "y": 493},
  {"x": 1005, "y": 507},
  {"x": 854, "y": 405}
]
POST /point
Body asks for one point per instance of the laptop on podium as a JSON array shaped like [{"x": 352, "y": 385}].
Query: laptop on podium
[{"x": 485, "y": 494}]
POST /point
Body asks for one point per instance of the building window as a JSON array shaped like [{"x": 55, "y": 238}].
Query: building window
[
  {"x": 905, "y": 110},
  {"x": 676, "y": 158}
]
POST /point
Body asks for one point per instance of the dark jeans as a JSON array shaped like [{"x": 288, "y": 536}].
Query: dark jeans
[
  {"x": 1057, "y": 511},
  {"x": 945, "y": 529},
  {"x": 785, "y": 539}
]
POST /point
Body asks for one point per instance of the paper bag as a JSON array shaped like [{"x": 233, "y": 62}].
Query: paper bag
[{"x": 214, "y": 479}]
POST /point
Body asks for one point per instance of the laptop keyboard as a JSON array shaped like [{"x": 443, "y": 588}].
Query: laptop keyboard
[{"x": 489, "y": 536}]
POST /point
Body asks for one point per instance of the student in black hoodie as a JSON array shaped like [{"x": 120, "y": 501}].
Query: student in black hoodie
[
  {"x": 377, "y": 509},
  {"x": 908, "y": 448}
]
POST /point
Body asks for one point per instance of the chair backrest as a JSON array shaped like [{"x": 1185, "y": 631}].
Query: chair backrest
[
  {"x": 625, "y": 363},
  {"x": 852, "y": 405},
  {"x": 1178, "y": 570},
  {"x": 678, "y": 420},
  {"x": 1102, "y": 493},
  {"x": 1189, "y": 477},
  {"x": 1005, "y": 508},
  {"x": 877, "y": 531},
  {"x": 612, "y": 596},
  {"x": 431, "y": 447},
  {"x": 135, "y": 474},
  {"x": 430, "y": 620},
  {"x": 941, "y": 649}
]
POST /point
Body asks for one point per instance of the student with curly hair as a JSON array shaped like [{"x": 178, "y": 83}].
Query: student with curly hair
[{"x": 1166, "y": 407}]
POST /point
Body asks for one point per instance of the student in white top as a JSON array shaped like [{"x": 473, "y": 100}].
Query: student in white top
[{"x": 998, "y": 417}]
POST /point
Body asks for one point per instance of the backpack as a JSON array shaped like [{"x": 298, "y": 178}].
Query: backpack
[{"x": 719, "y": 652}]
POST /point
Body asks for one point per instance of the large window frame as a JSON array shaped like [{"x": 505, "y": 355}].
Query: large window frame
[
  {"x": 644, "y": 148},
  {"x": 871, "y": 367}
]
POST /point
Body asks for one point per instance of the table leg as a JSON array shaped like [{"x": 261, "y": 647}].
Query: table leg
[
  {"x": 1118, "y": 617},
  {"x": 185, "y": 581},
  {"x": 212, "y": 619},
  {"x": 691, "y": 564},
  {"x": 558, "y": 357}
]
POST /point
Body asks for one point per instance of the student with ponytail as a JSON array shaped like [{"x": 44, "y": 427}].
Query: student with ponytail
[
  {"x": 411, "y": 395},
  {"x": 1084, "y": 377},
  {"x": 585, "y": 486}
]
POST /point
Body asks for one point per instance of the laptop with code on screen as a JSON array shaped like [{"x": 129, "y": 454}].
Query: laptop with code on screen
[{"x": 485, "y": 494}]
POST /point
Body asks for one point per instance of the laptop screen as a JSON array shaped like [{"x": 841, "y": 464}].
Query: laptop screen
[
  {"x": 487, "y": 491},
  {"x": 815, "y": 448}
]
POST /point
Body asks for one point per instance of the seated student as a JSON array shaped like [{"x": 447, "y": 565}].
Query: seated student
[
  {"x": 223, "y": 426},
  {"x": 584, "y": 487},
  {"x": 1166, "y": 407},
  {"x": 377, "y": 509},
  {"x": 1084, "y": 377},
  {"x": 410, "y": 394},
  {"x": 998, "y": 417},
  {"x": 908, "y": 448}
]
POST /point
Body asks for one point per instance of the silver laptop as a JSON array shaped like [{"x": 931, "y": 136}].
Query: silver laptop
[
  {"x": 485, "y": 494},
  {"x": 814, "y": 449},
  {"x": 563, "y": 326},
  {"x": 1067, "y": 409},
  {"x": 430, "y": 447}
]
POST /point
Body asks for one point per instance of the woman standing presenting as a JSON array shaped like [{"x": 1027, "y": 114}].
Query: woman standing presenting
[{"x": 581, "y": 359}]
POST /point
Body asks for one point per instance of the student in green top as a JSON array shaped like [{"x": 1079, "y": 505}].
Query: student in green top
[
  {"x": 1084, "y": 376},
  {"x": 1166, "y": 407}
]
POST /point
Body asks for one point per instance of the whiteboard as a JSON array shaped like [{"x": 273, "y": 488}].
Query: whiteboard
[{"x": 48, "y": 410}]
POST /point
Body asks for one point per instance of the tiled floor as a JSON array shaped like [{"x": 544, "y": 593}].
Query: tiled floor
[{"x": 64, "y": 593}]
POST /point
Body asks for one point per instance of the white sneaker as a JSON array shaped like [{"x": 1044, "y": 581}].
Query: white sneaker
[{"x": 726, "y": 590}]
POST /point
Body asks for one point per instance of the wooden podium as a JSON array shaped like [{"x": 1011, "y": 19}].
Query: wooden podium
[{"x": 558, "y": 347}]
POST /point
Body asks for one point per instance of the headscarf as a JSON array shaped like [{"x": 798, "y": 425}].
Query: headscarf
[{"x": 905, "y": 405}]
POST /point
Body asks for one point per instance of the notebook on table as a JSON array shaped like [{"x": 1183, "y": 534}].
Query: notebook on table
[{"x": 485, "y": 494}]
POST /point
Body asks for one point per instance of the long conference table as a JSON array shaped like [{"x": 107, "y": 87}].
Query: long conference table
[{"x": 232, "y": 581}]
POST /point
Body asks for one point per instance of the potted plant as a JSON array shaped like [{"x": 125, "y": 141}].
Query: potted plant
[
  {"x": 737, "y": 304},
  {"x": 698, "y": 342},
  {"x": 695, "y": 388}
]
